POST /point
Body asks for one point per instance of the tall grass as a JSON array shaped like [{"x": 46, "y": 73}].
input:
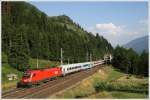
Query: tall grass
[{"x": 116, "y": 86}]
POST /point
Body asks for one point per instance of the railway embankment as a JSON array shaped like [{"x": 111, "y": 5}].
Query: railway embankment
[{"x": 107, "y": 83}]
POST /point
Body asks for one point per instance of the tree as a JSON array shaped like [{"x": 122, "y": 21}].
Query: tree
[
  {"x": 143, "y": 64},
  {"x": 18, "y": 54},
  {"x": 129, "y": 61}
]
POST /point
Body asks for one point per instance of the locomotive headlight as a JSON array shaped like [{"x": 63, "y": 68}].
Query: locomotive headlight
[
  {"x": 56, "y": 72},
  {"x": 25, "y": 80}
]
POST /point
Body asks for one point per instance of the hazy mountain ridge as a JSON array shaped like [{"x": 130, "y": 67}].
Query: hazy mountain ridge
[{"x": 138, "y": 45}]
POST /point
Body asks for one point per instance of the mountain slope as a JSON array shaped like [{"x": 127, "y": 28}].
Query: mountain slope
[
  {"x": 138, "y": 44},
  {"x": 30, "y": 33}
]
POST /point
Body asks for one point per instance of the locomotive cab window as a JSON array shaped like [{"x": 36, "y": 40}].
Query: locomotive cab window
[
  {"x": 34, "y": 75},
  {"x": 26, "y": 75}
]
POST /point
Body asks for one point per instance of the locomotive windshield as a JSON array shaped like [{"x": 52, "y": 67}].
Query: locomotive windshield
[{"x": 26, "y": 75}]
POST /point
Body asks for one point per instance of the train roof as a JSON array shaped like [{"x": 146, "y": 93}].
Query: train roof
[
  {"x": 38, "y": 70},
  {"x": 75, "y": 64}
]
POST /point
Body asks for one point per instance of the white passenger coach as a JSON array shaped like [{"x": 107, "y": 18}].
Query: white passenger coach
[{"x": 70, "y": 68}]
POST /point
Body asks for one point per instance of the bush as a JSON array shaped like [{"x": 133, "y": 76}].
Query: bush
[
  {"x": 81, "y": 95},
  {"x": 114, "y": 86},
  {"x": 100, "y": 86},
  {"x": 52, "y": 65},
  {"x": 110, "y": 87}
]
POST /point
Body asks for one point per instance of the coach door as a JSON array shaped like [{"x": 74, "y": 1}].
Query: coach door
[{"x": 63, "y": 70}]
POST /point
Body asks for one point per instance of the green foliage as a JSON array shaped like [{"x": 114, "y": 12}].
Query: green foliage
[
  {"x": 100, "y": 86},
  {"x": 114, "y": 74},
  {"x": 129, "y": 61},
  {"x": 42, "y": 63},
  {"x": 6, "y": 69},
  {"x": 4, "y": 58},
  {"x": 110, "y": 86},
  {"x": 30, "y": 33},
  {"x": 143, "y": 63},
  {"x": 127, "y": 95}
]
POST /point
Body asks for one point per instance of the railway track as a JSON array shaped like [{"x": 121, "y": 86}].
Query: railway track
[
  {"x": 46, "y": 89},
  {"x": 12, "y": 92}
]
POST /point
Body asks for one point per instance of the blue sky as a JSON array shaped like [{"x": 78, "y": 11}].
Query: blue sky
[{"x": 118, "y": 22}]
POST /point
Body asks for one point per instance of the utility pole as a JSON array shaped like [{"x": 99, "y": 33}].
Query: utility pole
[
  {"x": 87, "y": 56},
  {"x": 37, "y": 63},
  {"x": 68, "y": 60},
  {"x": 90, "y": 57},
  {"x": 61, "y": 56},
  {"x": 106, "y": 60}
]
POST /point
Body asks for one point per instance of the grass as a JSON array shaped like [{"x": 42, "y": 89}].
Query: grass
[
  {"x": 119, "y": 95},
  {"x": 43, "y": 63},
  {"x": 6, "y": 69},
  {"x": 113, "y": 74},
  {"x": 126, "y": 95},
  {"x": 111, "y": 83},
  {"x": 103, "y": 94}
]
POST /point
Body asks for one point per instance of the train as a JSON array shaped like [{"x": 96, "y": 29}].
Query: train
[{"x": 35, "y": 77}]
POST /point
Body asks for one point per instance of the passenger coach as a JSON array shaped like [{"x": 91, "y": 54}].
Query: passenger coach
[{"x": 70, "y": 68}]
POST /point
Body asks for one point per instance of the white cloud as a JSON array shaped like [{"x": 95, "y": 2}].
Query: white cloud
[
  {"x": 105, "y": 28},
  {"x": 120, "y": 34},
  {"x": 108, "y": 28}
]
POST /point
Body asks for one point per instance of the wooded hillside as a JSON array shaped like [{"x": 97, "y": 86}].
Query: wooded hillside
[{"x": 29, "y": 33}]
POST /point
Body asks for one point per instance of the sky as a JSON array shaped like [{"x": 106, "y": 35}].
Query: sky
[{"x": 118, "y": 22}]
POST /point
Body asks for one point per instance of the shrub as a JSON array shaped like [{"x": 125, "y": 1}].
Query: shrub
[{"x": 100, "y": 86}]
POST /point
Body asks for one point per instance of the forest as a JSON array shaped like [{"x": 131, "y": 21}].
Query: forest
[
  {"x": 130, "y": 61},
  {"x": 29, "y": 33}
]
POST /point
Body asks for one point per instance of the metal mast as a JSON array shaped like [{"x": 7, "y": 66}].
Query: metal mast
[{"x": 61, "y": 57}]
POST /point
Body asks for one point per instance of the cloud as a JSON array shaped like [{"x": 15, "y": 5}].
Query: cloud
[
  {"x": 120, "y": 34},
  {"x": 105, "y": 28}
]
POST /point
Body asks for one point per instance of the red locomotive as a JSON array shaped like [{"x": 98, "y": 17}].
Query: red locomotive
[{"x": 31, "y": 77}]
